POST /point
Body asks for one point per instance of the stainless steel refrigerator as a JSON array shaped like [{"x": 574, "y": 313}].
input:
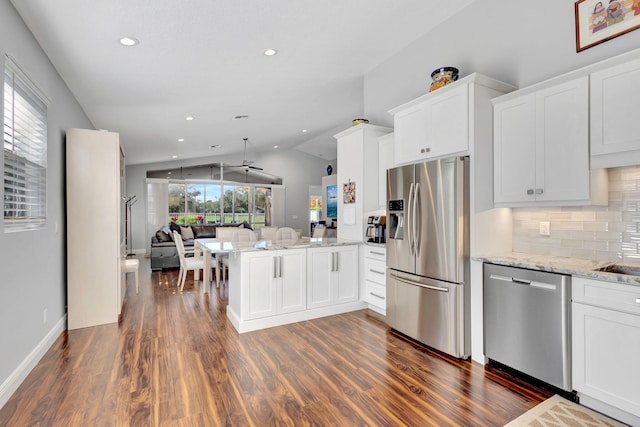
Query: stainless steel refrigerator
[{"x": 428, "y": 253}]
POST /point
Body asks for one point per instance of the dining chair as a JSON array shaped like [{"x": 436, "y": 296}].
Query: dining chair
[
  {"x": 286, "y": 233},
  {"x": 240, "y": 235},
  {"x": 194, "y": 263},
  {"x": 268, "y": 232},
  {"x": 224, "y": 234}
]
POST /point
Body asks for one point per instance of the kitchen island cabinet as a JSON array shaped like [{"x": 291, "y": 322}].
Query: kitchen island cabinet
[
  {"x": 270, "y": 284},
  {"x": 332, "y": 276}
]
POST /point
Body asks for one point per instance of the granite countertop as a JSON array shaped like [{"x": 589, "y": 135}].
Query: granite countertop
[
  {"x": 269, "y": 245},
  {"x": 572, "y": 266}
]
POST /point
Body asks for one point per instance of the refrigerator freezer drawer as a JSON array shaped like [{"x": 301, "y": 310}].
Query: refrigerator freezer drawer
[{"x": 429, "y": 311}]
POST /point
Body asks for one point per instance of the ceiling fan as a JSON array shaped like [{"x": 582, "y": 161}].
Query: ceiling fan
[{"x": 247, "y": 164}]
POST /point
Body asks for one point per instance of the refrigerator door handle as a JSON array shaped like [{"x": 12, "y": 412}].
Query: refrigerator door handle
[
  {"x": 409, "y": 220},
  {"x": 422, "y": 285},
  {"x": 417, "y": 216}
]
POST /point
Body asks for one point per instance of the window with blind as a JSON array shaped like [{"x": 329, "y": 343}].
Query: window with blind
[{"x": 25, "y": 151}]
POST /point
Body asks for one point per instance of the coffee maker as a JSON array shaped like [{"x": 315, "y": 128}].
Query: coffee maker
[{"x": 376, "y": 227}]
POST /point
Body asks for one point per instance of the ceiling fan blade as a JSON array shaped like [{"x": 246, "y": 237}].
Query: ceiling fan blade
[{"x": 255, "y": 167}]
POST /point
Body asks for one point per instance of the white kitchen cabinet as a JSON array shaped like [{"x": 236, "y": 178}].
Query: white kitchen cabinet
[
  {"x": 615, "y": 108},
  {"x": 385, "y": 161},
  {"x": 541, "y": 147},
  {"x": 606, "y": 343},
  {"x": 273, "y": 282},
  {"x": 96, "y": 245},
  {"x": 332, "y": 275},
  {"x": 358, "y": 164},
  {"x": 375, "y": 278},
  {"x": 434, "y": 126}
]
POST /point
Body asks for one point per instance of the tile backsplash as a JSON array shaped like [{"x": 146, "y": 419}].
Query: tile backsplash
[{"x": 606, "y": 233}]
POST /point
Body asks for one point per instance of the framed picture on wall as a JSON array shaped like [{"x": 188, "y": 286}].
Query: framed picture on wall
[{"x": 599, "y": 21}]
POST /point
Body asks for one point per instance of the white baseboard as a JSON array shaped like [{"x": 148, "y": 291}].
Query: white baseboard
[{"x": 11, "y": 384}]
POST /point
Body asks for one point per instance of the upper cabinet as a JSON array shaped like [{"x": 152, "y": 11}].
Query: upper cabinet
[
  {"x": 434, "y": 127},
  {"x": 444, "y": 122},
  {"x": 615, "y": 108},
  {"x": 541, "y": 147}
]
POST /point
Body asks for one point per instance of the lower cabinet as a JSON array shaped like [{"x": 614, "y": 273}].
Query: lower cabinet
[
  {"x": 332, "y": 275},
  {"x": 606, "y": 342},
  {"x": 375, "y": 278},
  {"x": 274, "y": 283}
]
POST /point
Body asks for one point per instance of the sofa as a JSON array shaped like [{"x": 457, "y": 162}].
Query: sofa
[{"x": 164, "y": 254}]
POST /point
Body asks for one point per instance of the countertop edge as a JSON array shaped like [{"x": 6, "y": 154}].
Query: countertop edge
[{"x": 571, "y": 266}]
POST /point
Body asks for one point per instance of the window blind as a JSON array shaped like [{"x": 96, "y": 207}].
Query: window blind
[{"x": 25, "y": 151}]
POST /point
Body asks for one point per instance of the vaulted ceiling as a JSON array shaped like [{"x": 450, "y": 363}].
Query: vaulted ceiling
[{"x": 205, "y": 59}]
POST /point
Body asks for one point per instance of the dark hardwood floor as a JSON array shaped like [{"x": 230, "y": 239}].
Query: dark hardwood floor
[{"x": 175, "y": 359}]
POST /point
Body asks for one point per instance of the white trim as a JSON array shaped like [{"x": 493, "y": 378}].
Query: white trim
[{"x": 13, "y": 381}]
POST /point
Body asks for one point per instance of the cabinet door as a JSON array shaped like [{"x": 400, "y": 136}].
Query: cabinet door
[
  {"x": 293, "y": 280},
  {"x": 606, "y": 351},
  {"x": 514, "y": 150},
  {"x": 345, "y": 274},
  {"x": 319, "y": 280},
  {"x": 410, "y": 128},
  {"x": 448, "y": 122},
  {"x": 259, "y": 294},
  {"x": 615, "y": 108},
  {"x": 562, "y": 142}
]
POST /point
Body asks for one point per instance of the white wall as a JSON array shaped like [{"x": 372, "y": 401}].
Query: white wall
[
  {"x": 32, "y": 270},
  {"x": 515, "y": 42},
  {"x": 298, "y": 171}
]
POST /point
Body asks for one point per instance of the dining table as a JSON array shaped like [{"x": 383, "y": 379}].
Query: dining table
[{"x": 210, "y": 247}]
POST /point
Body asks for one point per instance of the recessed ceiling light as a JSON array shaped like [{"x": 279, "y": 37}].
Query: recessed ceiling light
[
  {"x": 275, "y": 146},
  {"x": 168, "y": 173},
  {"x": 129, "y": 41},
  {"x": 304, "y": 131},
  {"x": 189, "y": 118},
  {"x": 174, "y": 157},
  {"x": 270, "y": 52},
  {"x": 180, "y": 139}
]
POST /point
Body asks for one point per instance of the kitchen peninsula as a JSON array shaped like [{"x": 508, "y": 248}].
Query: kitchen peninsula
[{"x": 275, "y": 283}]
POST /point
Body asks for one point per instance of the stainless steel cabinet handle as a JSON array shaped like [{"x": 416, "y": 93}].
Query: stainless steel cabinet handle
[
  {"x": 337, "y": 255},
  {"x": 376, "y": 295},
  {"x": 275, "y": 267},
  {"x": 377, "y": 253},
  {"x": 529, "y": 191},
  {"x": 280, "y": 267},
  {"x": 376, "y": 271},
  {"x": 538, "y": 190},
  {"x": 333, "y": 262}
]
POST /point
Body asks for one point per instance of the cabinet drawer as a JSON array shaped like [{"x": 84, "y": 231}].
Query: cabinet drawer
[
  {"x": 375, "y": 271},
  {"x": 617, "y": 296},
  {"x": 375, "y": 252},
  {"x": 376, "y": 294}
]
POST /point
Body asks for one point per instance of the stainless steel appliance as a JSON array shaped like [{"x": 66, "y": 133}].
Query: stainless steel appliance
[
  {"x": 376, "y": 226},
  {"x": 527, "y": 322},
  {"x": 428, "y": 253}
]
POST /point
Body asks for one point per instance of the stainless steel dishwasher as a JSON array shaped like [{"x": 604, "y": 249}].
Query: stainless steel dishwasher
[{"x": 527, "y": 322}]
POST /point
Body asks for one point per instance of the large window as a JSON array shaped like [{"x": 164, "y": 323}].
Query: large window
[
  {"x": 206, "y": 202},
  {"x": 25, "y": 151}
]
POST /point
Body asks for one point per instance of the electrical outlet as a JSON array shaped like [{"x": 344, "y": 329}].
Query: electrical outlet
[{"x": 545, "y": 228}]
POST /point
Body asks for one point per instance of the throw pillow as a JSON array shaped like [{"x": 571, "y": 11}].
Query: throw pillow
[
  {"x": 162, "y": 236},
  {"x": 187, "y": 233},
  {"x": 174, "y": 227}
]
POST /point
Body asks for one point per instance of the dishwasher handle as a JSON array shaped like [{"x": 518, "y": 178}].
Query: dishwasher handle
[{"x": 531, "y": 283}]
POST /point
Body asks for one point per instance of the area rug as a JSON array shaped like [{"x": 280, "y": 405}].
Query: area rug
[{"x": 557, "y": 411}]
